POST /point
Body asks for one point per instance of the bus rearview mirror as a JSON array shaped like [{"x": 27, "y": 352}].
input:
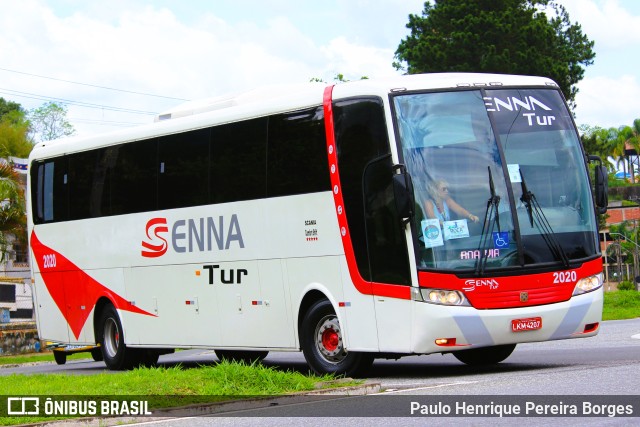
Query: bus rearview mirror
[{"x": 403, "y": 193}]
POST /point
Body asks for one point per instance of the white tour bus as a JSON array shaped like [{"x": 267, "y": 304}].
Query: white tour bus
[{"x": 421, "y": 214}]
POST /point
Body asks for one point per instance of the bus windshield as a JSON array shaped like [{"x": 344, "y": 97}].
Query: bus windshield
[{"x": 499, "y": 179}]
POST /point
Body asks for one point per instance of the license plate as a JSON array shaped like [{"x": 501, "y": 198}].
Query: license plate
[{"x": 529, "y": 324}]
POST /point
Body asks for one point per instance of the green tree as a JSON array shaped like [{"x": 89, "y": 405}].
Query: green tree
[
  {"x": 14, "y": 135},
  {"x": 9, "y": 107},
  {"x": 613, "y": 143},
  {"x": 500, "y": 36},
  {"x": 590, "y": 141},
  {"x": 50, "y": 122}
]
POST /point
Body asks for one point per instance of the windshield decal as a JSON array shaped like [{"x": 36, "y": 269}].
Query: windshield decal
[
  {"x": 514, "y": 172},
  {"x": 431, "y": 232},
  {"x": 532, "y": 105},
  {"x": 511, "y": 103},
  {"x": 456, "y": 229}
]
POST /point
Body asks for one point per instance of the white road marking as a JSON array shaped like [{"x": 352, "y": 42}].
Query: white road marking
[{"x": 393, "y": 391}]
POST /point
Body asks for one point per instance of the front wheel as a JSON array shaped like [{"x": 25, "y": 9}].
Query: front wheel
[
  {"x": 485, "y": 355},
  {"x": 323, "y": 346}
]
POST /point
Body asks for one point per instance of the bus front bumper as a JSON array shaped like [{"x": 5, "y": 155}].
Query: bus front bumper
[{"x": 442, "y": 328}]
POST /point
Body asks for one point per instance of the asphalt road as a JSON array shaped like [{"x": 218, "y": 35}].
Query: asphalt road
[{"x": 605, "y": 365}]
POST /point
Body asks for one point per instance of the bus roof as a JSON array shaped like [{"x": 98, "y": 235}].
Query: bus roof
[{"x": 272, "y": 100}]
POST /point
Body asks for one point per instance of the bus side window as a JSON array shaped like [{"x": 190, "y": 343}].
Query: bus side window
[
  {"x": 81, "y": 171},
  {"x": 37, "y": 188},
  {"x": 239, "y": 153},
  {"x": 50, "y": 193},
  {"x": 296, "y": 158},
  {"x": 183, "y": 169},
  {"x": 133, "y": 179}
]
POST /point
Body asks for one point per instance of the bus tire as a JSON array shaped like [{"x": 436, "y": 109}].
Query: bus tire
[
  {"x": 247, "y": 357},
  {"x": 485, "y": 355},
  {"x": 60, "y": 357},
  {"x": 322, "y": 343},
  {"x": 96, "y": 354},
  {"x": 115, "y": 353}
]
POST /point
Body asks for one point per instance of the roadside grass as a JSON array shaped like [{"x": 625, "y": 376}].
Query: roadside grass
[
  {"x": 620, "y": 305},
  {"x": 222, "y": 379},
  {"x": 166, "y": 387}
]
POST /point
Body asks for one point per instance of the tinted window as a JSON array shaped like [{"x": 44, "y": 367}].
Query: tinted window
[
  {"x": 60, "y": 198},
  {"x": 297, "y": 159},
  {"x": 37, "y": 189},
  {"x": 133, "y": 180},
  {"x": 49, "y": 179},
  {"x": 239, "y": 161},
  {"x": 184, "y": 169},
  {"x": 81, "y": 182}
]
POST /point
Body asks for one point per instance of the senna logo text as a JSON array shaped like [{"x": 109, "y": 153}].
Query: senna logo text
[
  {"x": 191, "y": 235},
  {"x": 155, "y": 245},
  {"x": 472, "y": 284}
]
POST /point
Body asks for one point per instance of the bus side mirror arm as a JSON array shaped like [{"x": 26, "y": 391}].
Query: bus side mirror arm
[
  {"x": 403, "y": 193},
  {"x": 601, "y": 184}
]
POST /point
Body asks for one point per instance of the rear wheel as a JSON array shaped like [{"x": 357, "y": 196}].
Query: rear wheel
[
  {"x": 111, "y": 337},
  {"x": 485, "y": 355},
  {"x": 60, "y": 357},
  {"x": 323, "y": 346},
  {"x": 247, "y": 357},
  {"x": 96, "y": 354}
]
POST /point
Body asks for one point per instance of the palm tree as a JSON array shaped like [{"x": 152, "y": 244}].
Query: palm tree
[
  {"x": 14, "y": 142},
  {"x": 12, "y": 207},
  {"x": 607, "y": 139},
  {"x": 617, "y": 142},
  {"x": 631, "y": 137}
]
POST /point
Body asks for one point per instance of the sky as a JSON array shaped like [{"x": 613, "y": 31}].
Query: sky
[{"x": 117, "y": 63}]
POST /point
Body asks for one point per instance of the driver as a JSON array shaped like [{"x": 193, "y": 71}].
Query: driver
[{"x": 440, "y": 204}]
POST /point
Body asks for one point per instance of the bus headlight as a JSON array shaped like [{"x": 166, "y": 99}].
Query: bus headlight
[
  {"x": 588, "y": 284},
  {"x": 443, "y": 297}
]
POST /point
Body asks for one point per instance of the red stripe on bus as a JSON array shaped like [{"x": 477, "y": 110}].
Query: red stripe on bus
[{"x": 74, "y": 291}]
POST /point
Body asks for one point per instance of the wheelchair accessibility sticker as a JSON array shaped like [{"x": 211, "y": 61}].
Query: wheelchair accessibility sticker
[{"x": 500, "y": 239}]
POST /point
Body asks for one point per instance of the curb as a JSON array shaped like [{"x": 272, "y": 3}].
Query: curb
[{"x": 221, "y": 408}]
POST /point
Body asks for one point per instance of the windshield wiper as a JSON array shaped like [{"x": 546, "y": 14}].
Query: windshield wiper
[
  {"x": 491, "y": 214},
  {"x": 537, "y": 217}
]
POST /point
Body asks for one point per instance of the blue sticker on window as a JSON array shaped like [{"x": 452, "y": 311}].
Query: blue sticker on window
[{"x": 500, "y": 239}]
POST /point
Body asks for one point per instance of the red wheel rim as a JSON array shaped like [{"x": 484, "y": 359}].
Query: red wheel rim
[{"x": 330, "y": 339}]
